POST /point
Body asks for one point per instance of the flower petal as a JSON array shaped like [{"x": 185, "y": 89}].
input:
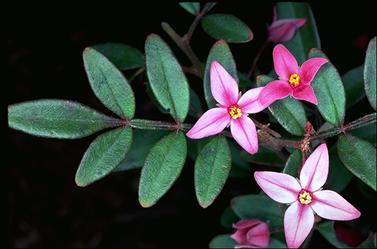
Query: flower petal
[
  {"x": 298, "y": 222},
  {"x": 240, "y": 236},
  {"x": 280, "y": 187},
  {"x": 305, "y": 93},
  {"x": 284, "y": 29},
  {"x": 223, "y": 87},
  {"x": 210, "y": 123},
  {"x": 249, "y": 101},
  {"x": 314, "y": 172},
  {"x": 258, "y": 236},
  {"x": 285, "y": 63},
  {"x": 246, "y": 223},
  {"x": 244, "y": 132},
  {"x": 330, "y": 205},
  {"x": 273, "y": 91},
  {"x": 310, "y": 68}
]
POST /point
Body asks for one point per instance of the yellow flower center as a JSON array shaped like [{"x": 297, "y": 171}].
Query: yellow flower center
[
  {"x": 305, "y": 197},
  {"x": 294, "y": 79},
  {"x": 234, "y": 112}
]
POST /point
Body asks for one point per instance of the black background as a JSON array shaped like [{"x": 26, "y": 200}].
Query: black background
[{"x": 43, "y": 59}]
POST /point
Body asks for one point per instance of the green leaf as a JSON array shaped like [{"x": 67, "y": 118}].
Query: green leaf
[
  {"x": 196, "y": 109},
  {"x": 257, "y": 207},
  {"x": 359, "y": 157},
  {"x": 293, "y": 163},
  {"x": 353, "y": 85},
  {"x": 162, "y": 167},
  {"x": 288, "y": 112},
  {"x": 367, "y": 133},
  {"x": 328, "y": 88},
  {"x": 212, "y": 168},
  {"x": 166, "y": 78},
  {"x": 143, "y": 141},
  {"x": 191, "y": 7},
  {"x": 103, "y": 155},
  {"x": 57, "y": 118},
  {"x": 339, "y": 176},
  {"x": 220, "y": 52},
  {"x": 264, "y": 156},
  {"x": 227, "y": 27},
  {"x": 237, "y": 160},
  {"x": 370, "y": 73},
  {"x": 327, "y": 230},
  {"x": 121, "y": 55},
  {"x": 228, "y": 218},
  {"x": 306, "y": 37},
  {"x": 274, "y": 243},
  {"x": 109, "y": 84},
  {"x": 222, "y": 241}
]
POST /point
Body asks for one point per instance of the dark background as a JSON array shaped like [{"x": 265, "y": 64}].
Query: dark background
[{"x": 43, "y": 55}]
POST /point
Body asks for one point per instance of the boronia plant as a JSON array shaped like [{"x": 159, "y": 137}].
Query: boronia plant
[{"x": 303, "y": 86}]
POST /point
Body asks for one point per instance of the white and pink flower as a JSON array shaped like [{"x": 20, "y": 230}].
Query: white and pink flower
[{"x": 306, "y": 197}]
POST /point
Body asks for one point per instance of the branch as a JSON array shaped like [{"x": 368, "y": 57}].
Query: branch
[
  {"x": 185, "y": 47},
  {"x": 358, "y": 123},
  {"x": 198, "y": 17}
]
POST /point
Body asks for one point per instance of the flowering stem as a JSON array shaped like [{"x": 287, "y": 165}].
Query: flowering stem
[
  {"x": 256, "y": 59},
  {"x": 183, "y": 44},
  {"x": 158, "y": 125}
]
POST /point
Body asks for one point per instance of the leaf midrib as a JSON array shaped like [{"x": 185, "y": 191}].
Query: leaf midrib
[{"x": 169, "y": 148}]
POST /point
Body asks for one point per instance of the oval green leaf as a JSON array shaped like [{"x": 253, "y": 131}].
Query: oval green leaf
[
  {"x": 191, "y": 7},
  {"x": 339, "y": 176},
  {"x": 370, "y": 73},
  {"x": 143, "y": 141},
  {"x": 222, "y": 241},
  {"x": 257, "y": 207},
  {"x": 288, "y": 112},
  {"x": 359, "y": 157},
  {"x": 227, "y": 27},
  {"x": 220, "y": 52},
  {"x": 328, "y": 231},
  {"x": 162, "y": 167},
  {"x": 264, "y": 156},
  {"x": 367, "y": 133},
  {"x": 166, "y": 78},
  {"x": 195, "y": 109},
  {"x": 109, "y": 84},
  {"x": 328, "y": 88},
  {"x": 103, "y": 155},
  {"x": 353, "y": 85},
  {"x": 306, "y": 37},
  {"x": 57, "y": 118},
  {"x": 293, "y": 163},
  {"x": 212, "y": 168},
  {"x": 121, "y": 55},
  {"x": 228, "y": 218}
]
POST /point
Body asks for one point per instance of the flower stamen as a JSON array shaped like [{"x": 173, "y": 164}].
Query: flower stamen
[
  {"x": 234, "y": 112},
  {"x": 294, "y": 80},
  {"x": 305, "y": 197}
]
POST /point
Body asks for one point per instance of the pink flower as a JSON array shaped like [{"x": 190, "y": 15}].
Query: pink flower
[
  {"x": 284, "y": 29},
  {"x": 306, "y": 197},
  {"x": 251, "y": 234},
  {"x": 293, "y": 80},
  {"x": 232, "y": 110}
]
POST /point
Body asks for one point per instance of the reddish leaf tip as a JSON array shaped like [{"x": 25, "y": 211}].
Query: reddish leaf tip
[{"x": 145, "y": 205}]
